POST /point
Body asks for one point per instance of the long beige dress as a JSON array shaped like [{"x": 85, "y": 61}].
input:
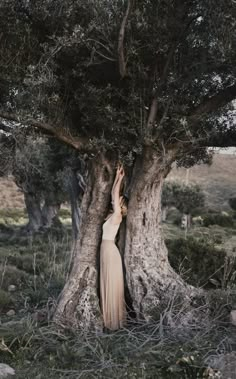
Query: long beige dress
[{"x": 111, "y": 279}]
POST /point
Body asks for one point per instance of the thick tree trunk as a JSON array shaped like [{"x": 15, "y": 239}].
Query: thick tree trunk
[
  {"x": 74, "y": 192},
  {"x": 32, "y": 203},
  {"x": 79, "y": 303},
  {"x": 148, "y": 272},
  {"x": 50, "y": 213},
  {"x": 150, "y": 278},
  {"x": 164, "y": 214},
  {"x": 186, "y": 221}
]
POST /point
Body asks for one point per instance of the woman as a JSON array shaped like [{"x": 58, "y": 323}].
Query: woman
[{"x": 111, "y": 272}]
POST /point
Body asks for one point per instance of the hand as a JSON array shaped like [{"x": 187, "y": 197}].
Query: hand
[
  {"x": 120, "y": 171},
  {"x": 122, "y": 200}
]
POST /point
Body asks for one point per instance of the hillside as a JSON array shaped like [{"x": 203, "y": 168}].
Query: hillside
[
  {"x": 10, "y": 195},
  {"x": 217, "y": 180}
]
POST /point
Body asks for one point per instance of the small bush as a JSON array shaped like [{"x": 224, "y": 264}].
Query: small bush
[
  {"x": 218, "y": 219},
  {"x": 11, "y": 275},
  {"x": 5, "y": 300},
  {"x": 36, "y": 296},
  {"x": 232, "y": 203},
  {"x": 177, "y": 220},
  {"x": 200, "y": 263},
  {"x": 234, "y": 215}
]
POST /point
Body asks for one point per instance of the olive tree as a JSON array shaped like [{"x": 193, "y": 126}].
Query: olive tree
[
  {"x": 148, "y": 83},
  {"x": 186, "y": 198}
]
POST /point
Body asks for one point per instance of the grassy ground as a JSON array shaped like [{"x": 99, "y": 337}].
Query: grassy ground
[
  {"x": 178, "y": 344},
  {"x": 222, "y": 237},
  {"x": 153, "y": 351}
]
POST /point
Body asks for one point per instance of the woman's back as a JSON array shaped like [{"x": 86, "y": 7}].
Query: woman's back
[{"x": 110, "y": 230}]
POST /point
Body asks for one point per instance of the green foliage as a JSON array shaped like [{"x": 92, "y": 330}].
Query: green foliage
[
  {"x": 38, "y": 169},
  {"x": 186, "y": 198},
  {"x": 64, "y": 213},
  {"x": 66, "y": 71},
  {"x": 5, "y": 300},
  {"x": 232, "y": 203},
  {"x": 218, "y": 219},
  {"x": 200, "y": 262},
  {"x": 30, "y": 263},
  {"x": 12, "y": 275}
]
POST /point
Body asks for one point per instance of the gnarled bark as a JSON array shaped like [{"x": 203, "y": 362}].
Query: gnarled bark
[
  {"x": 74, "y": 192},
  {"x": 41, "y": 217},
  {"x": 50, "y": 213},
  {"x": 79, "y": 304},
  {"x": 32, "y": 203},
  {"x": 148, "y": 272}
]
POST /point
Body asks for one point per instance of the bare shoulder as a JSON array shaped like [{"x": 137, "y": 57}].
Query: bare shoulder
[{"x": 116, "y": 218}]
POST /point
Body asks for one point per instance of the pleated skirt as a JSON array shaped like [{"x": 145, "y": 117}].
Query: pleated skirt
[{"x": 112, "y": 286}]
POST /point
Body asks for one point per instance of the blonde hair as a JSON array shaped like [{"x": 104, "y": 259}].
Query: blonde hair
[{"x": 124, "y": 206}]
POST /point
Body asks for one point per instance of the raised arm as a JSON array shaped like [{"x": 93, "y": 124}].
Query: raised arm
[
  {"x": 115, "y": 182},
  {"x": 116, "y": 217}
]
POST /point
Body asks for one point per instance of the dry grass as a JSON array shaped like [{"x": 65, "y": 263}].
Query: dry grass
[{"x": 178, "y": 345}]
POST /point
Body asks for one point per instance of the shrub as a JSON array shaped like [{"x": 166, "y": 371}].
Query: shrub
[
  {"x": 232, "y": 203},
  {"x": 218, "y": 219},
  {"x": 177, "y": 220},
  {"x": 200, "y": 263},
  {"x": 26, "y": 262},
  {"x": 12, "y": 275},
  {"x": 234, "y": 215},
  {"x": 36, "y": 296},
  {"x": 5, "y": 300}
]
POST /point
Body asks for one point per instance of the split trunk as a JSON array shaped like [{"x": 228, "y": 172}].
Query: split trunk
[{"x": 149, "y": 276}]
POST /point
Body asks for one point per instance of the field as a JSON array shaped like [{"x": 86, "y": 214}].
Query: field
[
  {"x": 181, "y": 341},
  {"x": 11, "y": 197}
]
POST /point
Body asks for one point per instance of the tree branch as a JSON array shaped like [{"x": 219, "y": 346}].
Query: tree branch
[
  {"x": 78, "y": 143},
  {"x": 210, "y": 104},
  {"x": 154, "y": 106},
  {"x": 5, "y": 128},
  {"x": 121, "y": 55}
]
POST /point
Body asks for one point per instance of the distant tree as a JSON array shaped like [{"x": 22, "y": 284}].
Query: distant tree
[
  {"x": 168, "y": 199},
  {"x": 47, "y": 173},
  {"x": 186, "y": 198},
  {"x": 7, "y": 150}
]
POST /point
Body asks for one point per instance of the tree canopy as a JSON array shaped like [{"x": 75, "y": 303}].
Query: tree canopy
[{"x": 123, "y": 74}]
